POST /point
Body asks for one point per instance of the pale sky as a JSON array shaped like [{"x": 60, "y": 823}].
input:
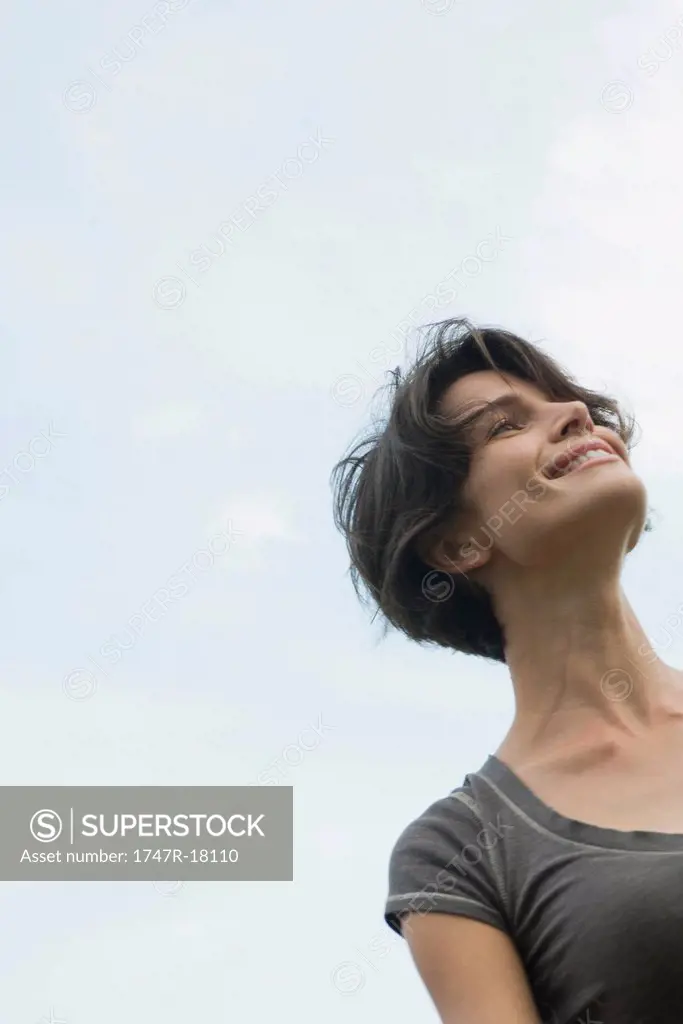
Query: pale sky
[{"x": 354, "y": 156}]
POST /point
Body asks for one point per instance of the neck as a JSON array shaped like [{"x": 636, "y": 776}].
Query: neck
[{"x": 580, "y": 662}]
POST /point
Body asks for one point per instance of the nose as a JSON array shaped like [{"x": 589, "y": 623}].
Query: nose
[{"x": 571, "y": 419}]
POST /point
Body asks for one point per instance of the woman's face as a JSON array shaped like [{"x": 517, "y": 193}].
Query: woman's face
[{"x": 528, "y": 499}]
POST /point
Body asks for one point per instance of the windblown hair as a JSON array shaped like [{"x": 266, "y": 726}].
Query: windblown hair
[{"x": 407, "y": 479}]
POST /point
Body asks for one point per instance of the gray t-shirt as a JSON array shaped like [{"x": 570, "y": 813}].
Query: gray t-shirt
[{"x": 596, "y": 914}]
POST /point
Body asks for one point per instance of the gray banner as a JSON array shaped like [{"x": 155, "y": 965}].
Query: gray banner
[{"x": 146, "y": 833}]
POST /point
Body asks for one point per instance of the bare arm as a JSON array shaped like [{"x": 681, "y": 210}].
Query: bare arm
[{"x": 471, "y": 970}]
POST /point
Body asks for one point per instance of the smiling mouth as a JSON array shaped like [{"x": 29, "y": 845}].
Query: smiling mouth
[{"x": 572, "y": 463}]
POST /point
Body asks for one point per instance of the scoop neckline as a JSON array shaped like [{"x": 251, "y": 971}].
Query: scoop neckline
[{"x": 512, "y": 786}]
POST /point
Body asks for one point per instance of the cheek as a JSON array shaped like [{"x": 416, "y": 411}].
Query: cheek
[
  {"x": 504, "y": 497},
  {"x": 500, "y": 485}
]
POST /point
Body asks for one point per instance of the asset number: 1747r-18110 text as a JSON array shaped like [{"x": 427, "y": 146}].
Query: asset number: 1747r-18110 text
[{"x": 192, "y": 856}]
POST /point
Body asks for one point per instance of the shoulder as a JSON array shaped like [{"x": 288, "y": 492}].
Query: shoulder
[
  {"x": 458, "y": 805},
  {"x": 442, "y": 860},
  {"x": 452, "y": 819}
]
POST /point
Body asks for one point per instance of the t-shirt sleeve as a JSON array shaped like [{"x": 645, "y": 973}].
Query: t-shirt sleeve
[{"x": 442, "y": 862}]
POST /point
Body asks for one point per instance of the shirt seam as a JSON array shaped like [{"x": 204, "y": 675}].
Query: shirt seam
[
  {"x": 441, "y": 896},
  {"x": 565, "y": 839},
  {"x": 496, "y": 865}
]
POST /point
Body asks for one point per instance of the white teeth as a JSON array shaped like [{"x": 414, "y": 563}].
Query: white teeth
[
  {"x": 593, "y": 453},
  {"x": 577, "y": 461}
]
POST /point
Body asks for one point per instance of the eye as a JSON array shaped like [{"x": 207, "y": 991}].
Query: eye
[{"x": 499, "y": 425}]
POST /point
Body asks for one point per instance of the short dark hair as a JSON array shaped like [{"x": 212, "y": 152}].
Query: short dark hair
[{"x": 406, "y": 479}]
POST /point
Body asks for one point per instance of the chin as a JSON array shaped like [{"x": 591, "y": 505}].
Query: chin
[
  {"x": 626, "y": 503},
  {"x": 606, "y": 522}
]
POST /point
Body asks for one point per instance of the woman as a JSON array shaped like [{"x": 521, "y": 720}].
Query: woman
[{"x": 492, "y": 516}]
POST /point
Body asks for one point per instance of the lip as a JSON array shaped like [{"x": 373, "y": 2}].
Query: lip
[{"x": 559, "y": 464}]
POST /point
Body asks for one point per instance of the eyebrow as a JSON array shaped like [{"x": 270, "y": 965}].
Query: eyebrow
[{"x": 483, "y": 408}]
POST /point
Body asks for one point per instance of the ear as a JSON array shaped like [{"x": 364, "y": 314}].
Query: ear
[{"x": 451, "y": 554}]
